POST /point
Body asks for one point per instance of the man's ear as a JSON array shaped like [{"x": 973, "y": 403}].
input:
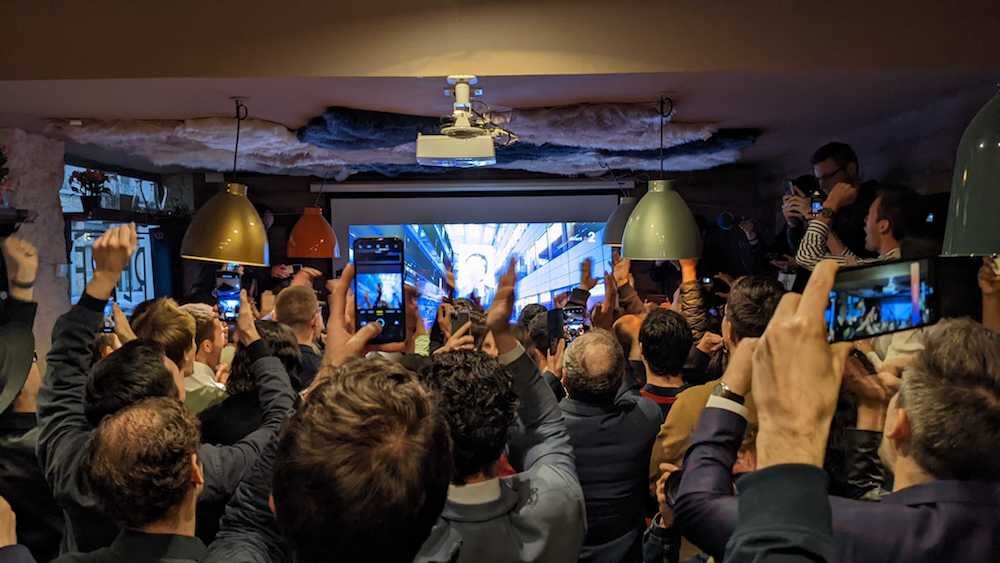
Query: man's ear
[
  {"x": 197, "y": 471},
  {"x": 270, "y": 504},
  {"x": 884, "y": 226},
  {"x": 727, "y": 333},
  {"x": 898, "y": 427}
]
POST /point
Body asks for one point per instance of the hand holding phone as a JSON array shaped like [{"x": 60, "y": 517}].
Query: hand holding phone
[
  {"x": 378, "y": 287},
  {"x": 227, "y": 292}
]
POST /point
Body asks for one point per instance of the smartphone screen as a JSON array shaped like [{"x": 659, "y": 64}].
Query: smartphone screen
[
  {"x": 881, "y": 299},
  {"x": 556, "y": 327},
  {"x": 227, "y": 292},
  {"x": 378, "y": 286},
  {"x": 109, "y": 316},
  {"x": 574, "y": 321}
]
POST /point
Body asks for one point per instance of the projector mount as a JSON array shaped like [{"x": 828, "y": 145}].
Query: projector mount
[{"x": 465, "y": 122}]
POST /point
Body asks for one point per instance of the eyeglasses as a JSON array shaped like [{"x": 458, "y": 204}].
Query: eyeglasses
[{"x": 827, "y": 177}]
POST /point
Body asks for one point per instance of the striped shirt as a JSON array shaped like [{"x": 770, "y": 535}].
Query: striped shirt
[{"x": 813, "y": 249}]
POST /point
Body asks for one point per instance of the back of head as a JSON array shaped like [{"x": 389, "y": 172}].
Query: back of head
[
  {"x": 666, "y": 340},
  {"x": 529, "y": 313},
  {"x": 128, "y": 375},
  {"x": 951, "y": 394},
  {"x": 594, "y": 365},
  {"x": 477, "y": 397},
  {"x": 841, "y": 153},
  {"x": 205, "y": 321},
  {"x": 139, "y": 461},
  {"x": 538, "y": 333},
  {"x": 363, "y": 466},
  {"x": 752, "y": 301},
  {"x": 165, "y": 323},
  {"x": 296, "y": 306},
  {"x": 281, "y": 340}
]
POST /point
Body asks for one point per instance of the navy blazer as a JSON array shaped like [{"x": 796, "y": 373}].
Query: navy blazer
[
  {"x": 613, "y": 443},
  {"x": 933, "y": 522}
]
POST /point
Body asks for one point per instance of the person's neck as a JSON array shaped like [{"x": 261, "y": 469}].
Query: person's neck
[
  {"x": 887, "y": 245},
  {"x": 210, "y": 360},
  {"x": 179, "y": 521},
  {"x": 906, "y": 473},
  {"x": 664, "y": 380},
  {"x": 304, "y": 336},
  {"x": 483, "y": 475}
]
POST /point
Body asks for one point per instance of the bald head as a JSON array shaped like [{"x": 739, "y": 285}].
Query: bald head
[{"x": 595, "y": 365}]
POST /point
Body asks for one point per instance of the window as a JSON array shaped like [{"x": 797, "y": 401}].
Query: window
[{"x": 142, "y": 193}]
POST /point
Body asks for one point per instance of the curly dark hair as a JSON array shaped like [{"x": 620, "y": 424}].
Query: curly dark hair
[
  {"x": 666, "y": 340},
  {"x": 128, "y": 375},
  {"x": 139, "y": 460},
  {"x": 752, "y": 301},
  {"x": 477, "y": 395},
  {"x": 284, "y": 346},
  {"x": 362, "y": 467}
]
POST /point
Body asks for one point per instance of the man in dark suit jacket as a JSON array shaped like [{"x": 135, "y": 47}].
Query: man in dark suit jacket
[
  {"x": 939, "y": 441},
  {"x": 612, "y": 438}
]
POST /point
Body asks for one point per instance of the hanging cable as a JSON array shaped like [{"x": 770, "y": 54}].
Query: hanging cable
[{"x": 241, "y": 114}]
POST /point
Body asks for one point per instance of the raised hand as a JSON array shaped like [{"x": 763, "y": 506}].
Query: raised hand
[
  {"x": 604, "y": 316},
  {"x": 305, "y": 277},
  {"x": 343, "y": 345},
  {"x": 623, "y": 272},
  {"x": 710, "y": 342},
  {"x": 498, "y": 317},
  {"x": 122, "y": 327},
  {"x": 21, "y": 258},
  {"x": 8, "y": 525},
  {"x": 587, "y": 281},
  {"x": 112, "y": 253},
  {"x": 554, "y": 359},
  {"x": 797, "y": 376},
  {"x": 461, "y": 339},
  {"x": 246, "y": 322}
]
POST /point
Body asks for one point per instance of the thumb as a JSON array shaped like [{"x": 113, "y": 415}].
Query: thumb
[{"x": 363, "y": 336}]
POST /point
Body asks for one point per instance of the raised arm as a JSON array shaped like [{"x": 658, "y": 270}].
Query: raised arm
[
  {"x": 692, "y": 305},
  {"x": 814, "y": 246},
  {"x": 226, "y": 465},
  {"x": 18, "y": 312},
  {"x": 64, "y": 428},
  {"x": 545, "y": 439}
]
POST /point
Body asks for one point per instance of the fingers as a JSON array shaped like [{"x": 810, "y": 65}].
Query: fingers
[
  {"x": 463, "y": 330},
  {"x": 363, "y": 336},
  {"x": 840, "y": 353},
  {"x": 338, "y": 297},
  {"x": 817, "y": 292},
  {"x": 668, "y": 468},
  {"x": 786, "y": 307}
]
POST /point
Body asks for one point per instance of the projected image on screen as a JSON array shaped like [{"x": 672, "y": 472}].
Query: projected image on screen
[
  {"x": 548, "y": 258},
  {"x": 380, "y": 291}
]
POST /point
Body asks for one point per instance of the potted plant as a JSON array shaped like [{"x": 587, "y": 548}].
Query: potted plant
[{"x": 90, "y": 185}]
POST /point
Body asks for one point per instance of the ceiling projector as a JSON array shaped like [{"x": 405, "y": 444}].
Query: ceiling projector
[{"x": 465, "y": 143}]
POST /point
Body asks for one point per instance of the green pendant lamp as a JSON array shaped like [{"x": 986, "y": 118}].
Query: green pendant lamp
[
  {"x": 975, "y": 189},
  {"x": 614, "y": 227},
  {"x": 661, "y": 226},
  {"x": 228, "y": 229}
]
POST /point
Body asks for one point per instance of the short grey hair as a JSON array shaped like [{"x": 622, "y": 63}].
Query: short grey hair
[
  {"x": 951, "y": 394},
  {"x": 594, "y": 365}
]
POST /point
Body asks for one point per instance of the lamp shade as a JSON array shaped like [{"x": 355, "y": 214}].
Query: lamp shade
[
  {"x": 614, "y": 228},
  {"x": 312, "y": 236},
  {"x": 975, "y": 189},
  {"x": 661, "y": 227},
  {"x": 227, "y": 229}
]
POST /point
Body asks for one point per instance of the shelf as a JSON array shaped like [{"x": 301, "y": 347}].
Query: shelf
[{"x": 119, "y": 216}]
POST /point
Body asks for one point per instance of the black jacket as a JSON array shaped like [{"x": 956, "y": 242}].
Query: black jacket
[
  {"x": 65, "y": 430},
  {"x": 133, "y": 546},
  {"x": 612, "y": 443},
  {"x": 311, "y": 362}
]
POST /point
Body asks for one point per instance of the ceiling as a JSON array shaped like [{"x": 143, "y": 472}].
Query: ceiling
[
  {"x": 799, "y": 72},
  {"x": 792, "y": 109}
]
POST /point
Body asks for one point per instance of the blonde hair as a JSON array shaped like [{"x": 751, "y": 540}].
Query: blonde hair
[{"x": 166, "y": 324}]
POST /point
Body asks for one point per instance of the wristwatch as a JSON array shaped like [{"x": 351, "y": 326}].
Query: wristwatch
[
  {"x": 826, "y": 213},
  {"x": 723, "y": 390}
]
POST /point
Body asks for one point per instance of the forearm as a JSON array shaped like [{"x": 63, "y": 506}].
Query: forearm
[
  {"x": 784, "y": 516},
  {"x": 629, "y": 300},
  {"x": 545, "y": 437},
  {"x": 991, "y": 311},
  {"x": 813, "y": 248},
  {"x": 693, "y": 309}
]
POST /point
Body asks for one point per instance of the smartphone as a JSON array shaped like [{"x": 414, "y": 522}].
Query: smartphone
[
  {"x": 574, "y": 321},
  {"x": 881, "y": 299},
  {"x": 458, "y": 320},
  {"x": 707, "y": 280},
  {"x": 227, "y": 292},
  {"x": 109, "y": 315},
  {"x": 789, "y": 187},
  {"x": 816, "y": 202},
  {"x": 556, "y": 328},
  {"x": 477, "y": 330},
  {"x": 378, "y": 287}
]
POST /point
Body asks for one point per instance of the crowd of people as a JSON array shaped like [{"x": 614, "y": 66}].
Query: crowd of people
[{"x": 718, "y": 425}]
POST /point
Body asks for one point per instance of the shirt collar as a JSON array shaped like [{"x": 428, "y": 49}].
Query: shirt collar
[
  {"x": 204, "y": 376},
  {"x": 134, "y": 545},
  {"x": 476, "y": 493}
]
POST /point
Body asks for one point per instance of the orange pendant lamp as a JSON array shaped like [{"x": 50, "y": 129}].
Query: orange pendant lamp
[{"x": 312, "y": 236}]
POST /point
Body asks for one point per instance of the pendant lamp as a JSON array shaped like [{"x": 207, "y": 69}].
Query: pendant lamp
[
  {"x": 975, "y": 190},
  {"x": 614, "y": 228},
  {"x": 227, "y": 228},
  {"x": 661, "y": 226},
  {"x": 312, "y": 236}
]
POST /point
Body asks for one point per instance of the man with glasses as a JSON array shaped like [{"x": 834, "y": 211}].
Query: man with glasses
[{"x": 837, "y": 228}]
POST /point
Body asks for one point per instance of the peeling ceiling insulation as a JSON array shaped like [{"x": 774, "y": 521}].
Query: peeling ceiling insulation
[{"x": 585, "y": 139}]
